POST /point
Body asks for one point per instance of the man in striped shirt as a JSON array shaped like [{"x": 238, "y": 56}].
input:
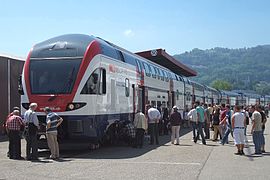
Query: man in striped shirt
[
  {"x": 52, "y": 122},
  {"x": 13, "y": 126}
]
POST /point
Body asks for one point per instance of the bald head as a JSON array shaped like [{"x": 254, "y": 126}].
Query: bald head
[
  {"x": 33, "y": 106},
  {"x": 16, "y": 112}
]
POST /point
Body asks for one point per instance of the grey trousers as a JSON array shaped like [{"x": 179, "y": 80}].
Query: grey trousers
[{"x": 53, "y": 144}]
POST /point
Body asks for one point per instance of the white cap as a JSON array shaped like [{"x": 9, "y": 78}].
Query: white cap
[{"x": 175, "y": 107}]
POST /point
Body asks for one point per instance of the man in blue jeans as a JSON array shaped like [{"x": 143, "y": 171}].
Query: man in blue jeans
[
  {"x": 192, "y": 116},
  {"x": 256, "y": 129},
  {"x": 153, "y": 120},
  {"x": 201, "y": 120},
  {"x": 225, "y": 138}
]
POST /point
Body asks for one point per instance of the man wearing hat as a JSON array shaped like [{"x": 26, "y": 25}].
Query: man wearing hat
[{"x": 175, "y": 121}]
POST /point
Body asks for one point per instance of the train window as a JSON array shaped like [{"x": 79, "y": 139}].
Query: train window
[
  {"x": 181, "y": 79},
  {"x": 96, "y": 83},
  {"x": 129, "y": 59},
  {"x": 147, "y": 69},
  {"x": 158, "y": 103},
  {"x": 188, "y": 96},
  {"x": 154, "y": 71},
  {"x": 127, "y": 87},
  {"x": 121, "y": 56},
  {"x": 153, "y": 103},
  {"x": 159, "y": 74},
  {"x": 109, "y": 51},
  {"x": 163, "y": 75},
  {"x": 169, "y": 75},
  {"x": 177, "y": 94},
  {"x": 102, "y": 88},
  {"x": 176, "y": 77},
  {"x": 166, "y": 76},
  {"x": 138, "y": 63}
]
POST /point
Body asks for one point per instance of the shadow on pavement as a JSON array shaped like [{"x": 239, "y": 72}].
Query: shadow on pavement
[
  {"x": 121, "y": 151},
  {"x": 3, "y": 138}
]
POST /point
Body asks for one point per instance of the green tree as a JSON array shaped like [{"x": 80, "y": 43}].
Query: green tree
[
  {"x": 221, "y": 85},
  {"x": 262, "y": 88},
  {"x": 244, "y": 68}
]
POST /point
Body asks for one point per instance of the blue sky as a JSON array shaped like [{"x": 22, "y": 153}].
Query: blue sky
[{"x": 174, "y": 25}]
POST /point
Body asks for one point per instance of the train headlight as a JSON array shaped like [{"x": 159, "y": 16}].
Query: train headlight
[
  {"x": 74, "y": 106},
  {"x": 71, "y": 106}
]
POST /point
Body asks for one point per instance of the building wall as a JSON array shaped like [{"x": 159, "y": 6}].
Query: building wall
[{"x": 10, "y": 69}]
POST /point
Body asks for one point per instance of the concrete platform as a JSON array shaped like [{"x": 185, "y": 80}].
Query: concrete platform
[{"x": 164, "y": 161}]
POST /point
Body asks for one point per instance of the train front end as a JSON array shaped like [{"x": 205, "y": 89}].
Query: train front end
[{"x": 51, "y": 78}]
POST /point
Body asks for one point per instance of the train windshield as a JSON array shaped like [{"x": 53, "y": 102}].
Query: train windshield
[{"x": 53, "y": 76}]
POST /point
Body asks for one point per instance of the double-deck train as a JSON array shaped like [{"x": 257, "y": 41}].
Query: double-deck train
[{"x": 92, "y": 83}]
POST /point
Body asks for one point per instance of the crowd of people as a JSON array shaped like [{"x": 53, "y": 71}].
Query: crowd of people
[
  {"x": 16, "y": 127},
  {"x": 223, "y": 120}
]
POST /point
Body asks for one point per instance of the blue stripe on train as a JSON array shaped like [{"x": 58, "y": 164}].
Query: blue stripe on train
[{"x": 90, "y": 128}]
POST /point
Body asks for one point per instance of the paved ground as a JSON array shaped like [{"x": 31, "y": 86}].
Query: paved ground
[{"x": 187, "y": 161}]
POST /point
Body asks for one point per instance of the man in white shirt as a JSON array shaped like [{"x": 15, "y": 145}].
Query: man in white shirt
[
  {"x": 153, "y": 120},
  {"x": 238, "y": 126},
  {"x": 32, "y": 126},
  {"x": 140, "y": 124},
  {"x": 192, "y": 116}
]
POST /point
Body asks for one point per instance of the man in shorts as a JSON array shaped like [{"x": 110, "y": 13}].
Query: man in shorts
[{"x": 238, "y": 126}]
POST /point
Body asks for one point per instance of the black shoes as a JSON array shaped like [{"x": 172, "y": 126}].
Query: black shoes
[{"x": 240, "y": 153}]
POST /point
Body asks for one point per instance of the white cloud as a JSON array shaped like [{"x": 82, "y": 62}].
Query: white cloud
[{"x": 129, "y": 33}]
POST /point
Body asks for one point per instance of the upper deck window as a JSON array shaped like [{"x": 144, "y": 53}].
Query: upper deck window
[
  {"x": 154, "y": 71},
  {"x": 147, "y": 69}
]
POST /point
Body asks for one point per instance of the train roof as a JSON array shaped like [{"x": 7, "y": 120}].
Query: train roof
[
  {"x": 210, "y": 88},
  {"x": 230, "y": 93},
  {"x": 248, "y": 93},
  {"x": 162, "y": 58},
  {"x": 75, "y": 43},
  {"x": 196, "y": 83}
]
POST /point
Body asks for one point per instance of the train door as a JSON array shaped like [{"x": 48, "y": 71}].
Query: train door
[
  {"x": 144, "y": 98},
  {"x": 138, "y": 98},
  {"x": 171, "y": 100}
]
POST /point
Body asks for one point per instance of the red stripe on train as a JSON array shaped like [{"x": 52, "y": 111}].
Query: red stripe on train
[{"x": 62, "y": 100}]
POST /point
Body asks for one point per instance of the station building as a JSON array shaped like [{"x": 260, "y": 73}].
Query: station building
[{"x": 10, "y": 69}]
